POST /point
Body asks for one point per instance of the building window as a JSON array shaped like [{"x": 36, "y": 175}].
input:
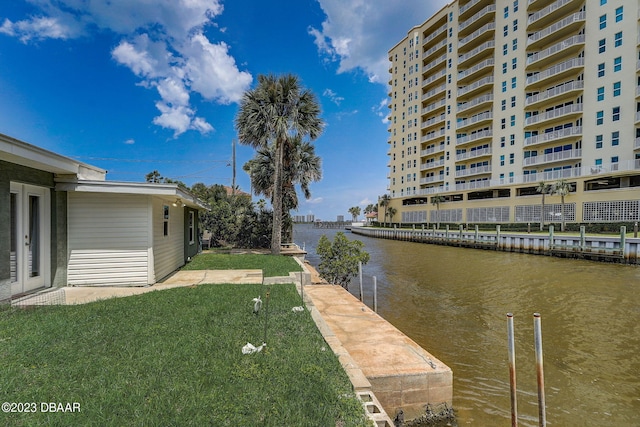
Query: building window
[
  {"x": 600, "y": 94},
  {"x": 513, "y": 120},
  {"x": 506, "y": 12},
  {"x": 616, "y": 89},
  {"x": 515, "y": 25},
  {"x": 503, "y": 104},
  {"x": 598, "y": 141},
  {"x": 513, "y": 101},
  {"x": 601, "y": 70},
  {"x": 619, "y": 14},
  {"x": 515, "y": 5},
  {"x": 512, "y": 158},
  {"x": 502, "y": 141},
  {"x": 614, "y": 159},
  {"x": 503, "y": 123},
  {"x": 505, "y": 49},
  {"x": 165, "y": 220},
  {"x": 514, "y": 63},
  {"x": 603, "y": 2},
  {"x": 603, "y": 22},
  {"x": 504, "y": 68},
  {"x": 512, "y": 139},
  {"x": 514, "y": 44},
  {"x": 598, "y": 162},
  {"x": 615, "y": 138},
  {"x": 502, "y": 160},
  {"x": 602, "y": 45},
  {"x": 504, "y": 86},
  {"x": 617, "y": 39},
  {"x": 599, "y": 117},
  {"x": 192, "y": 228},
  {"x": 617, "y": 64},
  {"x": 616, "y": 114},
  {"x": 505, "y": 30},
  {"x": 513, "y": 82}
]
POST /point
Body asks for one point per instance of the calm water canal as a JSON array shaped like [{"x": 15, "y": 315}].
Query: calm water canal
[{"x": 453, "y": 302}]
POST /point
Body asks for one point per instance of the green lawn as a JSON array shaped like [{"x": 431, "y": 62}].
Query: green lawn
[
  {"x": 272, "y": 265},
  {"x": 173, "y": 358}
]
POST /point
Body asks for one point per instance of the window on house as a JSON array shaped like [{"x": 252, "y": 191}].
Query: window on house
[
  {"x": 601, "y": 70},
  {"x": 598, "y": 141},
  {"x": 503, "y": 104},
  {"x": 165, "y": 220},
  {"x": 514, "y": 63},
  {"x": 502, "y": 141},
  {"x": 513, "y": 120},
  {"x": 513, "y": 82},
  {"x": 192, "y": 227},
  {"x": 617, "y": 39},
  {"x": 603, "y": 22},
  {"x": 603, "y": 2},
  {"x": 505, "y": 49},
  {"x": 513, "y": 101},
  {"x": 506, "y": 12},
  {"x": 515, "y": 5},
  {"x": 504, "y": 68},
  {"x": 619, "y": 14},
  {"x": 616, "y": 89},
  {"x": 600, "y": 96},
  {"x": 602, "y": 45},
  {"x": 615, "y": 138},
  {"x": 617, "y": 64},
  {"x": 514, "y": 44},
  {"x": 599, "y": 117},
  {"x": 512, "y": 139},
  {"x": 512, "y": 158},
  {"x": 616, "y": 114},
  {"x": 515, "y": 25},
  {"x": 504, "y": 86},
  {"x": 505, "y": 30},
  {"x": 503, "y": 123},
  {"x": 502, "y": 160}
]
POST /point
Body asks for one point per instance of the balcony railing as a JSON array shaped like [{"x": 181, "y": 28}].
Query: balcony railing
[
  {"x": 553, "y": 157},
  {"x": 433, "y": 106},
  {"x": 430, "y": 179},
  {"x": 432, "y": 150},
  {"x": 467, "y": 6},
  {"x": 637, "y": 143},
  {"x": 552, "y": 114},
  {"x": 435, "y": 34},
  {"x": 434, "y": 49},
  {"x": 485, "y": 11},
  {"x": 434, "y": 63},
  {"x": 469, "y": 71},
  {"x": 473, "y": 86},
  {"x": 556, "y": 69},
  {"x": 479, "y": 100},
  {"x": 434, "y": 92},
  {"x": 576, "y": 17},
  {"x": 433, "y": 120},
  {"x": 432, "y": 135},
  {"x": 473, "y": 185},
  {"x": 558, "y": 47},
  {"x": 431, "y": 165},
  {"x": 491, "y": 26},
  {"x": 473, "y": 171},
  {"x": 433, "y": 78},
  {"x": 486, "y": 45},
  {"x": 474, "y": 137},
  {"x": 553, "y": 136},
  {"x": 547, "y": 11},
  {"x": 487, "y": 115},
  {"x": 553, "y": 92},
  {"x": 474, "y": 154}
]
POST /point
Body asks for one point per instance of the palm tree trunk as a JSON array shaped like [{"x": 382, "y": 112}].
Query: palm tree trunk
[
  {"x": 562, "y": 212},
  {"x": 542, "y": 215},
  {"x": 276, "y": 233}
]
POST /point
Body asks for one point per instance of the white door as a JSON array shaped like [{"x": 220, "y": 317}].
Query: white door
[{"x": 30, "y": 238}]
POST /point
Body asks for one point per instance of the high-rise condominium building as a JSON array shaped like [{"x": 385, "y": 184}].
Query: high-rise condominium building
[{"x": 489, "y": 99}]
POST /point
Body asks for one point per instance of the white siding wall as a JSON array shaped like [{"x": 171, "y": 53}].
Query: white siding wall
[
  {"x": 109, "y": 239},
  {"x": 168, "y": 251}
]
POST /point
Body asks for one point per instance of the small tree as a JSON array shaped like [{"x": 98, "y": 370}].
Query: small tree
[
  {"x": 562, "y": 188},
  {"x": 436, "y": 200},
  {"x": 384, "y": 202},
  {"x": 391, "y": 211},
  {"x": 339, "y": 259},
  {"x": 544, "y": 189},
  {"x": 354, "y": 211}
]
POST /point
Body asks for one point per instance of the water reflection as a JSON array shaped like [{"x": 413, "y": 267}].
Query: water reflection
[{"x": 453, "y": 302}]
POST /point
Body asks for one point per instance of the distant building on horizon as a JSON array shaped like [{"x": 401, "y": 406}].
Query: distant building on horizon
[
  {"x": 340, "y": 218},
  {"x": 311, "y": 217},
  {"x": 490, "y": 98}
]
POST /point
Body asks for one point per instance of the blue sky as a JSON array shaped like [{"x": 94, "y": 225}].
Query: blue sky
[{"x": 139, "y": 85}]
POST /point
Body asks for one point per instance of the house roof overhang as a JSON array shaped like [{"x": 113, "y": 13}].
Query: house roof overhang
[
  {"x": 21, "y": 153},
  {"x": 170, "y": 191}
]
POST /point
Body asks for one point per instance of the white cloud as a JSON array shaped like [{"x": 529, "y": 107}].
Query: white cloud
[
  {"x": 381, "y": 110},
  {"x": 130, "y": 141},
  {"x": 333, "y": 96},
  {"x": 314, "y": 201},
  {"x": 365, "y": 202},
  {"x": 163, "y": 44},
  {"x": 359, "y": 33}
]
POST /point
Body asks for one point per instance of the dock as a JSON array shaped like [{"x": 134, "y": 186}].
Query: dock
[{"x": 377, "y": 356}]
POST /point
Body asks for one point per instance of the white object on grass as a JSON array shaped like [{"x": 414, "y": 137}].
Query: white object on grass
[
  {"x": 250, "y": 348},
  {"x": 257, "y": 305},
  {"x": 297, "y": 309}
]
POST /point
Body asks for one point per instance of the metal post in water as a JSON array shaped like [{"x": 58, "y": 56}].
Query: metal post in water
[
  {"x": 635, "y": 229},
  {"x": 583, "y": 243},
  {"x": 360, "y": 278},
  {"x": 476, "y": 237},
  {"x": 623, "y": 243},
  {"x": 512, "y": 370},
  {"x": 550, "y": 237},
  {"x": 375, "y": 294},
  {"x": 537, "y": 333}
]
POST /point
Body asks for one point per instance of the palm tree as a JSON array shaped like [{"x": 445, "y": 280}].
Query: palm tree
[
  {"x": 278, "y": 109},
  {"x": 562, "y": 188},
  {"x": 354, "y": 211},
  {"x": 384, "y": 202},
  {"x": 301, "y": 167},
  {"x": 391, "y": 211},
  {"x": 543, "y": 188},
  {"x": 436, "y": 200}
]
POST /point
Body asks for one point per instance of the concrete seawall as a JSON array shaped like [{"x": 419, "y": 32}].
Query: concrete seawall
[{"x": 599, "y": 248}]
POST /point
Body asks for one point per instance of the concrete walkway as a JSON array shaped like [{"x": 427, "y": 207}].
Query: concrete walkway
[{"x": 85, "y": 294}]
